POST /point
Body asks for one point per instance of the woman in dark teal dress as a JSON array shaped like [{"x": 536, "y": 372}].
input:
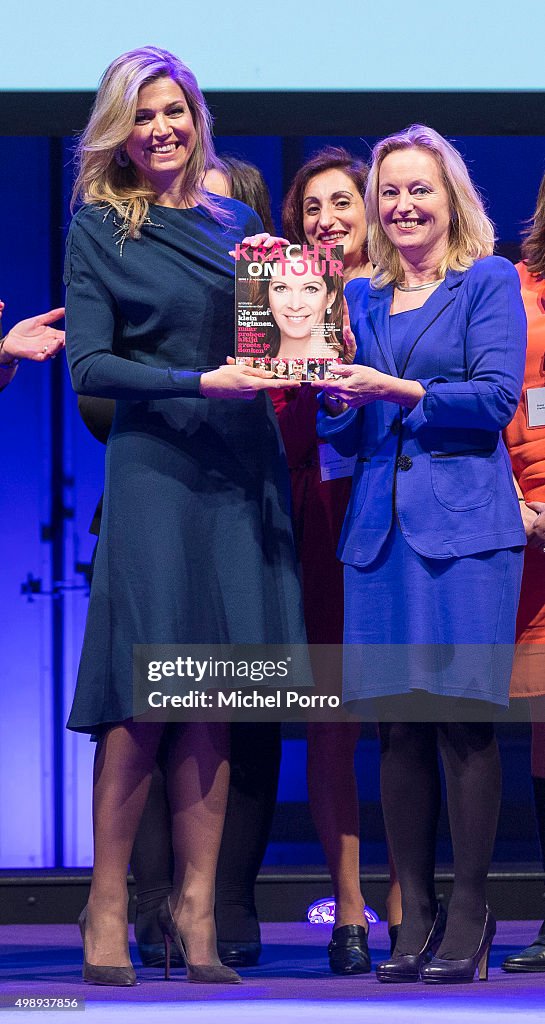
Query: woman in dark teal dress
[{"x": 195, "y": 544}]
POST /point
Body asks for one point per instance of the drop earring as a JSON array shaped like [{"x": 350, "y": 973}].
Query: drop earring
[
  {"x": 121, "y": 157},
  {"x": 329, "y": 310}
]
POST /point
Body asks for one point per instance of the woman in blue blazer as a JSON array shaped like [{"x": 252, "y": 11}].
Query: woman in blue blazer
[{"x": 432, "y": 541}]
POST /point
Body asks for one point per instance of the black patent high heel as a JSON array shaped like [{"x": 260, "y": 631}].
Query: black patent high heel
[
  {"x": 407, "y": 967},
  {"x": 452, "y": 972},
  {"x": 96, "y": 975},
  {"x": 211, "y": 974}
]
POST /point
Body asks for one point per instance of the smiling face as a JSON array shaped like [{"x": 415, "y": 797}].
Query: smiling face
[
  {"x": 164, "y": 136},
  {"x": 414, "y": 207},
  {"x": 298, "y": 301},
  {"x": 334, "y": 214}
]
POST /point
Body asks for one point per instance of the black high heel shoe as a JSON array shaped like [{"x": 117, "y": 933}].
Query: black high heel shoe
[
  {"x": 407, "y": 967},
  {"x": 348, "y": 950},
  {"x": 238, "y": 953},
  {"x": 451, "y": 972},
  {"x": 149, "y": 939},
  {"x": 211, "y": 974},
  {"x": 96, "y": 975}
]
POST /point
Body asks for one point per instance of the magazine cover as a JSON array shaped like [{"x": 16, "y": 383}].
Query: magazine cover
[{"x": 289, "y": 306}]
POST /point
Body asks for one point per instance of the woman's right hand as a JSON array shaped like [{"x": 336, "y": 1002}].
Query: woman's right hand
[
  {"x": 237, "y": 380},
  {"x": 533, "y": 518},
  {"x": 528, "y": 519},
  {"x": 33, "y": 338}
]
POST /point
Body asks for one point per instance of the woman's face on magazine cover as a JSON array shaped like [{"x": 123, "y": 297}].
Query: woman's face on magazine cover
[
  {"x": 334, "y": 214},
  {"x": 164, "y": 136},
  {"x": 298, "y": 301}
]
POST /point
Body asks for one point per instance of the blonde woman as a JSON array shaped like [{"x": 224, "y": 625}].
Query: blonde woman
[
  {"x": 433, "y": 539},
  {"x": 195, "y": 478}
]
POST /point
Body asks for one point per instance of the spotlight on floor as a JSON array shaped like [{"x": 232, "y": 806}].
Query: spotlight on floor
[{"x": 323, "y": 912}]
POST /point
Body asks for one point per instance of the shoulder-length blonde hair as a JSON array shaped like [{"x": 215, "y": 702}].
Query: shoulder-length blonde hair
[
  {"x": 471, "y": 233},
  {"x": 100, "y": 179},
  {"x": 533, "y": 246}
]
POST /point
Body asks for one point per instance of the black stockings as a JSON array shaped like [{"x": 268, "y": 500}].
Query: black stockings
[
  {"x": 411, "y": 802},
  {"x": 256, "y": 750}
]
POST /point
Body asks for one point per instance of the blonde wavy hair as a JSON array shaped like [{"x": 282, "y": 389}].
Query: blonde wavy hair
[
  {"x": 471, "y": 233},
  {"x": 99, "y": 178}
]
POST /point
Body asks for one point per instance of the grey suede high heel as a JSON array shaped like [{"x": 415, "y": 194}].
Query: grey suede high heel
[
  {"x": 206, "y": 974},
  {"x": 96, "y": 975}
]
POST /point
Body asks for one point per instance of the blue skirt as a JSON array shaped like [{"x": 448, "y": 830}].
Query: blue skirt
[{"x": 442, "y": 626}]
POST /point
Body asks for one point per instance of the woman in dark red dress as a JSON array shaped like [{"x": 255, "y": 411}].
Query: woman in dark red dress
[{"x": 324, "y": 206}]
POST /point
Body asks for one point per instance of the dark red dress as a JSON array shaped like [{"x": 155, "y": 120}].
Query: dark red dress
[{"x": 318, "y": 513}]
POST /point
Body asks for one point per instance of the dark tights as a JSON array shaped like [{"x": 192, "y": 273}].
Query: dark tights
[
  {"x": 411, "y": 797},
  {"x": 256, "y": 750},
  {"x": 255, "y": 765}
]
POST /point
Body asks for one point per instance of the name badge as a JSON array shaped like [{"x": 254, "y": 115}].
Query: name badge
[
  {"x": 333, "y": 466},
  {"x": 535, "y": 407}
]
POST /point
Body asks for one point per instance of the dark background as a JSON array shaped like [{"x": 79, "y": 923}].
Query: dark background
[{"x": 52, "y": 470}]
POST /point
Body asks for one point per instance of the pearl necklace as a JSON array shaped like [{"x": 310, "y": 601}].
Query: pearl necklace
[{"x": 418, "y": 287}]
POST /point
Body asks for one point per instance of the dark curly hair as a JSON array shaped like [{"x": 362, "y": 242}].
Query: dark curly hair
[{"x": 332, "y": 157}]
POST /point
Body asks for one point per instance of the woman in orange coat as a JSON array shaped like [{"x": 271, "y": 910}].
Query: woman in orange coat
[{"x": 527, "y": 449}]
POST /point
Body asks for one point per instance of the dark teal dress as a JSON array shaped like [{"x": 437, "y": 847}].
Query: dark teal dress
[{"x": 196, "y": 542}]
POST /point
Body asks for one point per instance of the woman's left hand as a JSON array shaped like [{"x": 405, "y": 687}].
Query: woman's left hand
[
  {"x": 354, "y": 385},
  {"x": 536, "y": 536}
]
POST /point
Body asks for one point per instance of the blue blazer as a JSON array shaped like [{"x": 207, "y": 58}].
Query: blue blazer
[{"x": 442, "y": 468}]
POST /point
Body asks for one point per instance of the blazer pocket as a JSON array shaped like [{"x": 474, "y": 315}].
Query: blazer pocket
[
  {"x": 360, "y": 484},
  {"x": 463, "y": 481}
]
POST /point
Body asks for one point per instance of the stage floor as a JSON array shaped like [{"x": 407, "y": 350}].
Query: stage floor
[{"x": 291, "y": 984}]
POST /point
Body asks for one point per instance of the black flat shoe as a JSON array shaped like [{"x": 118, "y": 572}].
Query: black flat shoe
[
  {"x": 239, "y": 954},
  {"x": 348, "y": 951},
  {"x": 528, "y": 960},
  {"x": 406, "y": 967},
  {"x": 452, "y": 972}
]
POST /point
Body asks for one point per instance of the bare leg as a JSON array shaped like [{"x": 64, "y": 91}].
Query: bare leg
[
  {"x": 198, "y": 781},
  {"x": 124, "y": 762},
  {"x": 334, "y": 805}
]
